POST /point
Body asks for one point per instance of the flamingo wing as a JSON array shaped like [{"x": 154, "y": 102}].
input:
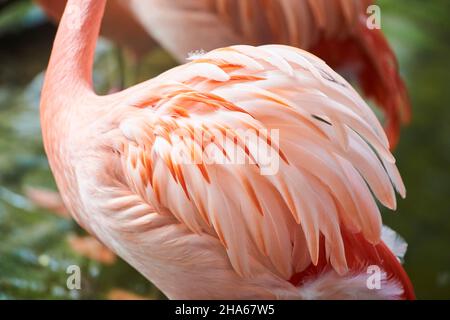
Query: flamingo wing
[
  {"x": 330, "y": 150},
  {"x": 334, "y": 30},
  {"x": 299, "y": 23}
]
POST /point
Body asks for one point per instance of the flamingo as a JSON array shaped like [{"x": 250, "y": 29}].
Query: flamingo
[
  {"x": 334, "y": 30},
  {"x": 205, "y": 229}
]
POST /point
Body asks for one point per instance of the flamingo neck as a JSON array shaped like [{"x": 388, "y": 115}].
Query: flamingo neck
[
  {"x": 67, "y": 94},
  {"x": 69, "y": 72}
]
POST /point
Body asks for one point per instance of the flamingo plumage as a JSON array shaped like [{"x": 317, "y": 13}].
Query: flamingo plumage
[
  {"x": 213, "y": 230},
  {"x": 334, "y": 30}
]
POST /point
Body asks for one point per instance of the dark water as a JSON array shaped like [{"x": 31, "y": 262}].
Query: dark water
[{"x": 34, "y": 251}]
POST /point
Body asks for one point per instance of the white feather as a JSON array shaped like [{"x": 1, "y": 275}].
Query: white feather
[
  {"x": 394, "y": 241},
  {"x": 331, "y": 286}
]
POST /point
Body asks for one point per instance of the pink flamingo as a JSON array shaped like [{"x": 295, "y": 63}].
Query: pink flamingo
[
  {"x": 308, "y": 230},
  {"x": 335, "y": 30}
]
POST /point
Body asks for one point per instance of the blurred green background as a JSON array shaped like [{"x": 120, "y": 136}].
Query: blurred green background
[{"x": 34, "y": 246}]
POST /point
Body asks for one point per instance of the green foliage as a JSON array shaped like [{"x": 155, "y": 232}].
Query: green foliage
[{"x": 419, "y": 31}]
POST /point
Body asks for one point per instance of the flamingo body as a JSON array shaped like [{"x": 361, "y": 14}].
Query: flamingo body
[
  {"x": 334, "y": 30},
  {"x": 211, "y": 229}
]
